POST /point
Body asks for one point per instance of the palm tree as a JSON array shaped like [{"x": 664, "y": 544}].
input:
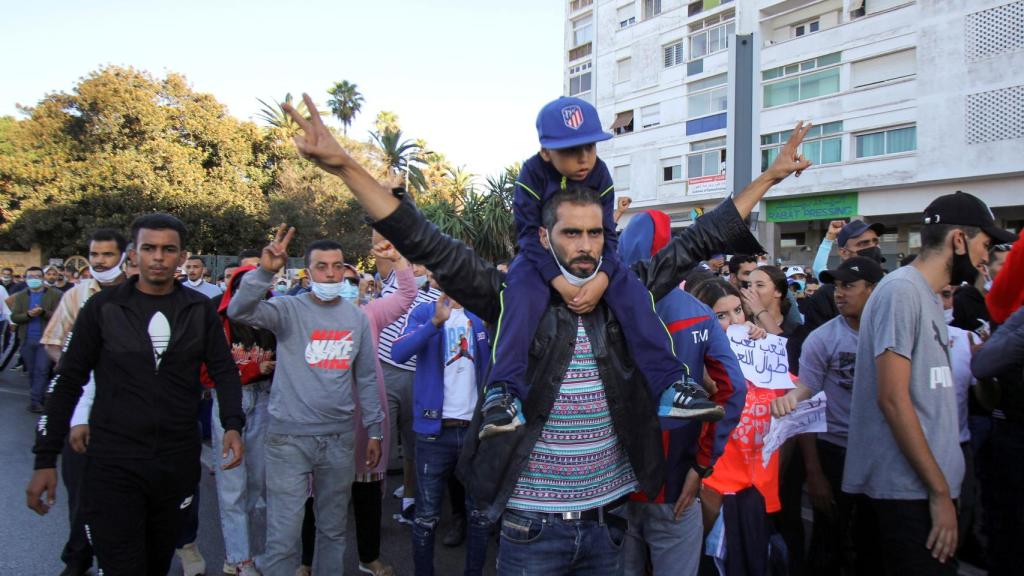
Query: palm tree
[
  {"x": 345, "y": 103},
  {"x": 401, "y": 156},
  {"x": 275, "y": 116}
]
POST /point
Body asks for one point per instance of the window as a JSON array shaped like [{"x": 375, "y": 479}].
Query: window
[
  {"x": 883, "y": 68},
  {"x": 579, "y": 78},
  {"x": 708, "y": 159},
  {"x": 627, "y": 15},
  {"x": 622, "y": 177},
  {"x": 671, "y": 169},
  {"x": 651, "y": 8},
  {"x": 674, "y": 54},
  {"x": 707, "y": 96},
  {"x": 822, "y": 145},
  {"x": 577, "y": 5},
  {"x": 583, "y": 30},
  {"x": 800, "y": 81},
  {"x": 806, "y": 28},
  {"x": 650, "y": 116},
  {"x": 857, "y": 8},
  {"x": 623, "y": 68},
  {"x": 891, "y": 141},
  {"x": 623, "y": 123},
  {"x": 695, "y": 8},
  {"x": 711, "y": 35}
]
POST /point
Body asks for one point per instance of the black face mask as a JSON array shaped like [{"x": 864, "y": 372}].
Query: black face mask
[
  {"x": 963, "y": 270},
  {"x": 873, "y": 253}
]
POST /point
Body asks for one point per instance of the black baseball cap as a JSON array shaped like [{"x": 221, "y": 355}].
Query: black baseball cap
[
  {"x": 963, "y": 209},
  {"x": 853, "y": 269},
  {"x": 856, "y": 228}
]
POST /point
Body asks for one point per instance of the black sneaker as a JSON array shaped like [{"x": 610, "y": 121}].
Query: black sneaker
[
  {"x": 456, "y": 532},
  {"x": 688, "y": 400},
  {"x": 502, "y": 412}
]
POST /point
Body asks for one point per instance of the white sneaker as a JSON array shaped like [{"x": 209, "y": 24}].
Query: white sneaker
[
  {"x": 229, "y": 569},
  {"x": 303, "y": 571},
  {"x": 399, "y": 492},
  {"x": 192, "y": 562}
]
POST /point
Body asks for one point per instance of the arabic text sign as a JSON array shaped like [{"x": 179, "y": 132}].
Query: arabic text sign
[
  {"x": 764, "y": 362},
  {"x": 809, "y": 416}
]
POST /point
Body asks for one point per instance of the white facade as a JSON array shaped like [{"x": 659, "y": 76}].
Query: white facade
[{"x": 914, "y": 98}]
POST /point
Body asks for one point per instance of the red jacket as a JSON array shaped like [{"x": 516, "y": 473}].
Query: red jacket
[{"x": 1007, "y": 293}]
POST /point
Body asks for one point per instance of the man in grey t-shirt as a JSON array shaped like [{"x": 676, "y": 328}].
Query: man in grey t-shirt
[
  {"x": 827, "y": 364},
  {"x": 903, "y": 453}
]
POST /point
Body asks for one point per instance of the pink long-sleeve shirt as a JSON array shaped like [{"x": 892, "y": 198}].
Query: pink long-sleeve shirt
[{"x": 382, "y": 312}]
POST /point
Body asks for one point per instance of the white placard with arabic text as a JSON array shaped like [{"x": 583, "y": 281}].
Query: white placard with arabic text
[
  {"x": 764, "y": 362},
  {"x": 809, "y": 416}
]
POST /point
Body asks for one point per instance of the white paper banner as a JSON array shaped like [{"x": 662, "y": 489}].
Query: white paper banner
[
  {"x": 764, "y": 362},
  {"x": 809, "y": 416}
]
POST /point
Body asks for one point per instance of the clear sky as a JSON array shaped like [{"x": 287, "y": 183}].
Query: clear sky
[{"x": 467, "y": 76}]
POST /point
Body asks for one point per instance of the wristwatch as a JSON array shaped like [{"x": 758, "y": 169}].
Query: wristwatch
[
  {"x": 377, "y": 438},
  {"x": 703, "y": 471}
]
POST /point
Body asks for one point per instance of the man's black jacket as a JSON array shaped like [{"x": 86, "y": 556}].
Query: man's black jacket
[
  {"x": 490, "y": 470},
  {"x": 140, "y": 411}
]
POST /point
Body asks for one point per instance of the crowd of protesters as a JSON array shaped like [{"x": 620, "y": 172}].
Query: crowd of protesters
[{"x": 582, "y": 429}]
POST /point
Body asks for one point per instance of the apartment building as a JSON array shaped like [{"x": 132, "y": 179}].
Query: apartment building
[{"x": 911, "y": 100}]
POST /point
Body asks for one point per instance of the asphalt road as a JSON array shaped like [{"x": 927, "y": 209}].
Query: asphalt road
[{"x": 31, "y": 544}]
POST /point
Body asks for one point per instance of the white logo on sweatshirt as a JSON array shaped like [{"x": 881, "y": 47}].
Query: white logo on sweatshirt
[{"x": 330, "y": 349}]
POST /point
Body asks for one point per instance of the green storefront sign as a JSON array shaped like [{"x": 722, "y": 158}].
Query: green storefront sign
[{"x": 831, "y": 207}]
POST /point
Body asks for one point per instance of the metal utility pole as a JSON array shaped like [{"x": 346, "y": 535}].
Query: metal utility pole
[{"x": 743, "y": 125}]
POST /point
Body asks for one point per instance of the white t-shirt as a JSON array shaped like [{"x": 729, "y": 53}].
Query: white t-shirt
[
  {"x": 960, "y": 342},
  {"x": 459, "y": 367}
]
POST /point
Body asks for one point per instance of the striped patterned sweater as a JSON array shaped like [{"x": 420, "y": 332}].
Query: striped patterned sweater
[
  {"x": 578, "y": 462},
  {"x": 392, "y": 331}
]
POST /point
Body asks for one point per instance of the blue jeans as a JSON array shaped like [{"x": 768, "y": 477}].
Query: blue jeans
[
  {"x": 538, "y": 544},
  {"x": 242, "y": 490},
  {"x": 37, "y": 362},
  {"x": 674, "y": 544},
  {"x": 436, "y": 457},
  {"x": 289, "y": 462}
]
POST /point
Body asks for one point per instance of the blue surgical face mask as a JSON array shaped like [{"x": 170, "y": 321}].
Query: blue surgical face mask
[
  {"x": 327, "y": 291},
  {"x": 349, "y": 291},
  {"x": 34, "y": 283},
  {"x": 421, "y": 281},
  {"x": 801, "y": 284}
]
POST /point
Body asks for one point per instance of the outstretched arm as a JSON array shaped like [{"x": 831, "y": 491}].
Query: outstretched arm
[{"x": 317, "y": 144}]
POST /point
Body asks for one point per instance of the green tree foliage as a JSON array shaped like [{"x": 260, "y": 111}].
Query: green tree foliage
[
  {"x": 345, "y": 103},
  {"x": 483, "y": 220},
  {"x": 274, "y": 116},
  {"x": 124, "y": 143}
]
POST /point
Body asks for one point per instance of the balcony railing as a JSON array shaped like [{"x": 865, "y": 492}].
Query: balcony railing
[{"x": 581, "y": 51}]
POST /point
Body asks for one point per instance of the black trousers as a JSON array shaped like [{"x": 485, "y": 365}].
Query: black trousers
[
  {"x": 902, "y": 528},
  {"x": 133, "y": 510},
  {"x": 77, "y": 551}
]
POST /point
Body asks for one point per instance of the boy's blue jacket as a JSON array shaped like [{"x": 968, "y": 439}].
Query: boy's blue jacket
[
  {"x": 422, "y": 339},
  {"x": 538, "y": 181},
  {"x": 700, "y": 342}
]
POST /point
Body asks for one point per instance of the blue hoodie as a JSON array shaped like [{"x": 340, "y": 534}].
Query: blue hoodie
[
  {"x": 422, "y": 339},
  {"x": 700, "y": 342}
]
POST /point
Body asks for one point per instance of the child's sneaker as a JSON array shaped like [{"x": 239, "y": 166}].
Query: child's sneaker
[
  {"x": 688, "y": 400},
  {"x": 502, "y": 412}
]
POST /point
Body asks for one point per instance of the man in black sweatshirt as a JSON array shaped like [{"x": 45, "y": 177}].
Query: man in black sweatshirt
[{"x": 144, "y": 342}]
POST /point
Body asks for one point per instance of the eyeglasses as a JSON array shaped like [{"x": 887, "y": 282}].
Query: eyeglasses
[{"x": 1002, "y": 247}]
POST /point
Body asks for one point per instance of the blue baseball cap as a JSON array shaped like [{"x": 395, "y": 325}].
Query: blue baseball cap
[
  {"x": 569, "y": 122},
  {"x": 856, "y": 228}
]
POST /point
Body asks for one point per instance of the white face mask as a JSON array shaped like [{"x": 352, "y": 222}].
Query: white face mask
[
  {"x": 326, "y": 291},
  {"x": 194, "y": 284},
  {"x": 569, "y": 276},
  {"x": 948, "y": 314},
  {"x": 108, "y": 275}
]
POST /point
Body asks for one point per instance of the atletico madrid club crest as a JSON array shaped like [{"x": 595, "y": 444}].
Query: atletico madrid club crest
[{"x": 572, "y": 116}]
